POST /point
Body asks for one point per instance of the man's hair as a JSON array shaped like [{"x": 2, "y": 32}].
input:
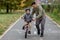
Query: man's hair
[
  {"x": 27, "y": 9},
  {"x": 33, "y": 3}
]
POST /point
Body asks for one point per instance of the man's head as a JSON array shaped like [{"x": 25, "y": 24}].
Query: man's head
[
  {"x": 27, "y": 11},
  {"x": 34, "y": 5}
]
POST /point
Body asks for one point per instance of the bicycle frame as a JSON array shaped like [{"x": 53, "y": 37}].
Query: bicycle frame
[{"x": 26, "y": 28}]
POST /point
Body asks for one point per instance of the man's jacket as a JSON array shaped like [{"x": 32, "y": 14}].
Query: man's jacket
[{"x": 38, "y": 11}]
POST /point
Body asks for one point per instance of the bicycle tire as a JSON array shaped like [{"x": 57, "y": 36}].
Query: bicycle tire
[{"x": 26, "y": 33}]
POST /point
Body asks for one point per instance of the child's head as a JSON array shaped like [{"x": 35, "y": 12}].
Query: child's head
[{"x": 27, "y": 11}]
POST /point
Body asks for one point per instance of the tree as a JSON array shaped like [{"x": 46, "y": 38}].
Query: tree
[
  {"x": 14, "y": 4},
  {"x": 27, "y": 3},
  {"x": 9, "y": 4}
]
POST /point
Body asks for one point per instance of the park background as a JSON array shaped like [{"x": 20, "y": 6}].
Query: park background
[{"x": 11, "y": 10}]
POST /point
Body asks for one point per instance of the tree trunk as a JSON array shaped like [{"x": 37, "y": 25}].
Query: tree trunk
[{"x": 7, "y": 8}]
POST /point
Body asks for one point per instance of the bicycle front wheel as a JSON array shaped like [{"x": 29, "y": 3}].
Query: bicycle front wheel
[{"x": 26, "y": 33}]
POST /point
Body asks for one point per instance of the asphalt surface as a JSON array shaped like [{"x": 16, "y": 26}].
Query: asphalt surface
[{"x": 51, "y": 32}]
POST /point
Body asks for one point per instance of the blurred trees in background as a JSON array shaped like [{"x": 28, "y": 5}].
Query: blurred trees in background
[
  {"x": 53, "y": 11},
  {"x": 10, "y": 5},
  {"x": 26, "y": 3},
  {"x": 55, "y": 6}
]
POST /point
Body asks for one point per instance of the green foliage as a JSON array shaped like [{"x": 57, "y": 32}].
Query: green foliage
[
  {"x": 55, "y": 11},
  {"x": 51, "y": 8},
  {"x": 7, "y": 19},
  {"x": 28, "y": 3},
  {"x": 12, "y": 4},
  {"x": 46, "y": 7}
]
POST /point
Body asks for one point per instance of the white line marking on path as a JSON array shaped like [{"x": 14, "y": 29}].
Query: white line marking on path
[{"x": 10, "y": 28}]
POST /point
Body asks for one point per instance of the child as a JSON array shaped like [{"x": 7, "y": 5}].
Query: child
[{"x": 28, "y": 19}]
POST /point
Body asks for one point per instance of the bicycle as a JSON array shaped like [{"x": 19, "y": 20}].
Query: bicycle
[{"x": 26, "y": 29}]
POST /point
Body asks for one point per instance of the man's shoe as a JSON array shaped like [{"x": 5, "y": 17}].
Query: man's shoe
[
  {"x": 41, "y": 35},
  {"x": 38, "y": 32}
]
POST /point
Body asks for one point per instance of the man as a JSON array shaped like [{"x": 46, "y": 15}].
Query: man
[{"x": 40, "y": 17}]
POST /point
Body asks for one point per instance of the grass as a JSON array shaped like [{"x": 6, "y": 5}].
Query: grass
[
  {"x": 6, "y": 20},
  {"x": 55, "y": 17},
  {"x": 55, "y": 13}
]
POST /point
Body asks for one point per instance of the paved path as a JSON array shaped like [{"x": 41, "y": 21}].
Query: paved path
[{"x": 52, "y": 32}]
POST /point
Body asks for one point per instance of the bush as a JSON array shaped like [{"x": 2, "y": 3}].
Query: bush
[
  {"x": 47, "y": 7},
  {"x": 55, "y": 11}
]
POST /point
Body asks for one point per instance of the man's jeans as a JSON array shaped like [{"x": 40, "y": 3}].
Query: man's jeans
[{"x": 42, "y": 22}]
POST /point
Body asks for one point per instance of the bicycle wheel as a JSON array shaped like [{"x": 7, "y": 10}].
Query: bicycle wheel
[{"x": 26, "y": 33}]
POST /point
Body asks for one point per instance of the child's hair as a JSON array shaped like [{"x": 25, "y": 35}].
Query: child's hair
[
  {"x": 27, "y": 9},
  {"x": 33, "y": 3}
]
